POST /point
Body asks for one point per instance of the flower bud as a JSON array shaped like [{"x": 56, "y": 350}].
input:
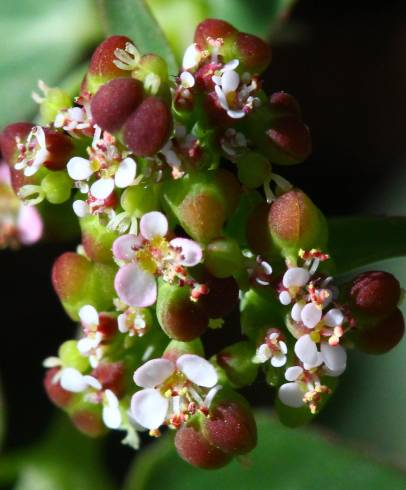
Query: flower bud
[
  {"x": 60, "y": 397},
  {"x": 115, "y": 101},
  {"x": 231, "y": 428},
  {"x": 254, "y": 54},
  {"x": 382, "y": 336},
  {"x": 211, "y": 30},
  {"x": 70, "y": 356},
  {"x": 88, "y": 419},
  {"x": 111, "y": 375},
  {"x": 375, "y": 292},
  {"x": 148, "y": 127},
  {"x": 152, "y": 71},
  {"x": 236, "y": 360},
  {"x": 97, "y": 240},
  {"x": 102, "y": 67},
  {"x": 57, "y": 187},
  {"x": 195, "y": 449},
  {"x": 78, "y": 282},
  {"x": 223, "y": 258},
  {"x": 55, "y": 100},
  {"x": 296, "y": 223},
  {"x": 140, "y": 199},
  {"x": 179, "y": 316},
  {"x": 253, "y": 169}
]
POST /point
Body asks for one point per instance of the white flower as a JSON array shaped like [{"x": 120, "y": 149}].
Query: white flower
[
  {"x": 33, "y": 153},
  {"x": 73, "y": 380},
  {"x": 72, "y": 119},
  {"x": 334, "y": 358},
  {"x": 171, "y": 390},
  {"x": 111, "y": 410},
  {"x": 133, "y": 322},
  {"x": 274, "y": 350},
  {"x": 89, "y": 346}
]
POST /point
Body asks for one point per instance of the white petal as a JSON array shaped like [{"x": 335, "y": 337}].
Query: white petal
[
  {"x": 112, "y": 417},
  {"x": 235, "y": 114},
  {"x": 216, "y": 79},
  {"x": 335, "y": 358},
  {"x": 231, "y": 65},
  {"x": 40, "y": 157},
  {"x": 187, "y": 79},
  {"x": 278, "y": 360},
  {"x": 81, "y": 208},
  {"x": 311, "y": 315},
  {"x": 149, "y": 408},
  {"x": 124, "y": 247},
  {"x": 40, "y": 136},
  {"x": 190, "y": 251},
  {"x": 306, "y": 350},
  {"x": 296, "y": 312},
  {"x": 86, "y": 345},
  {"x": 296, "y": 277},
  {"x": 125, "y": 174},
  {"x": 291, "y": 395},
  {"x": 284, "y": 298},
  {"x": 135, "y": 286},
  {"x": 92, "y": 382},
  {"x": 102, "y": 188},
  {"x": 72, "y": 380},
  {"x": 292, "y": 373},
  {"x": 153, "y": 224},
  {"x": 197, "y": 370},
  {"x": 262, "y": 354},
  {"x": 153, "y": 373},
  {"x": 122, "y": 323},
  {"x": 88, "y": 315},
  {"x": 333, "y": 318},
  {"x": 79, "y": 168},
  {"x": 230, "y": 81},
  {"x": 283, "y": 347},
  {"x": 221, "y": 97},
  {"x": 191, "y": 58}
]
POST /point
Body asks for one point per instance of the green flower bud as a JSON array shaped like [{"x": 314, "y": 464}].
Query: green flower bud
[
  {"x": 70, "y": 356},
  {"x": 223, "y": 258},
  {"x": 140, "y": 199},
  {"x": 176, "y": 349},
  {"x": 55, "y": 100},
  {"x": 57, "y": 187},
  {"x": 97, "y": 240},
  {"x": 296, "y": 223},
  {"x": 236, "y": 360},
  {"x": 253, "y": 169}
]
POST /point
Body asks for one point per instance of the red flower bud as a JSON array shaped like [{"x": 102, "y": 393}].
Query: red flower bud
[
  {"x": 148, "y": 127},
  {"x": 254, "y": 53},
  {"x": 69, "y": 272},
  {"x": 213, "y": 29},
  {"x": 89, "y": 422},
  {"x": 231, "y": 427},
  {"x": 111, "y": 376},
  {"x": 60, "y": 397},
  {"x": 194, "y": 448},
  {"x": 285, "y": 104},
  {"x": 115, "y": 101},
  {"x": 383, "y": 336},
  {"x": 107, "y": 325},
  {"x": 375, "y": 292}
]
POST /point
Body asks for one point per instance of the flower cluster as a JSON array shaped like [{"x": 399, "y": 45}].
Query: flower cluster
[{"x": 183, "y": 222}]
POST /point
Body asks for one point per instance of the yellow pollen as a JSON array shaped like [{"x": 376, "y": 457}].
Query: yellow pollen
[
  {"x": 168, "y": 393},
  {"x": 146, "y": 261},
  {"x": 315, "y": 336},
  {"x": 95, "y": 165}
]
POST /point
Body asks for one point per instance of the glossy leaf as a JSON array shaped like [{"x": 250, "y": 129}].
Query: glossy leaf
[
  {"x": 284, "y": 459},
  {"x": 358, "y": 241},
  {"x": 134, "y": 19}
]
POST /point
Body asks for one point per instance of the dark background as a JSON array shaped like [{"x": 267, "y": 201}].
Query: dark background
[{"x": 346, "y": 64}]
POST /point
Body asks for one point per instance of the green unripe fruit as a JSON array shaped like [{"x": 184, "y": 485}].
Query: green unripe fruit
[
  {"x": 152, "y": 70},
  {"x": 236, "y": 360},
  {"x": 175, "y": 349},
  {"x": 253, "y": 169},
  {"x": 70, "y": 356},
  {"x": 140, "y": 199},
  {"x": 57, "y": 187},
  {"x": 179, "y": 316},
  {"x": 55, "y": 101},
  {"x": 223, "y": 258},
  {"x": 97, "y": 240},
  {"x": 296, "y": 223}
]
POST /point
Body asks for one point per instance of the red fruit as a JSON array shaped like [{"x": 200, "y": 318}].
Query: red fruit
[
  {"x": 115, "y": 101},
  {"x": 111, "y": 376},
  {"x": 222, "y": 297},
  {"x": 107, "y": 325},
  {"x": 8, "y": 137},
  {"x": 69, "y": 272},
  {"x": 375, "y": 292},
  {"x": 60, "y": 148},
  {"x": 291, "y": 137},
  {"x": 89, "y": 423},
  {"x": 194, "y": 448},
  {"x": 60, "y": 397},
  {"x": 212, "y": 29},
  {"x": 232, "y": 428},
  {"x": 255, "y": 54},
  {"x": 102, "y": 60},
  {"x": 148, "y": 127},
  {"x": 285, "y": 104},
  {"x": 383, "y": 336}
]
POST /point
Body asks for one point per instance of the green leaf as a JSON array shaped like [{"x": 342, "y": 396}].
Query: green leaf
[
  {"x": 285, "y": 459},
  {"x": 41, "y": 40},
  {"x": 134, "y": 19},
  {"x": 65, "y": 460},
  {"x": 358, "y": 241}
]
